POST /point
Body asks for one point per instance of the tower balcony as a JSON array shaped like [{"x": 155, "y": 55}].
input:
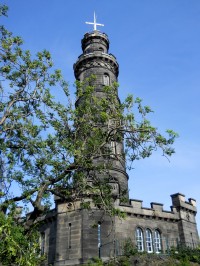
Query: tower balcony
[{"x": 96, "y": 59}]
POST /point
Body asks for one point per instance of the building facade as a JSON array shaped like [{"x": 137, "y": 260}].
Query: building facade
[{"x": 71, "y": 235}]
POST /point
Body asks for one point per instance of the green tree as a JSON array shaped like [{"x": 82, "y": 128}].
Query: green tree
[{"x": 48, "y": 148}]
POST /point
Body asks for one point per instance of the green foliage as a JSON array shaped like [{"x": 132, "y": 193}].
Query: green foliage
[
  {"x": 182, "y": 256},
  {"x": 186, "y": 254},
  {"x": 120, "y": 261},
  {"x": 129, "y": 248},
  {"x": 123, "y": 261},
  {"x": 17, "y": 247},
  {"x": 94, "y": 262},
  {"x": 3, "y": 10}
]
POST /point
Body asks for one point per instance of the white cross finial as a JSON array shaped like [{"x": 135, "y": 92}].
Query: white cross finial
[{"x": 95, "y": 23}]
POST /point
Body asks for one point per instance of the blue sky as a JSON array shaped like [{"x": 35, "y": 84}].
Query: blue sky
[{"x": 157, "y": 45}]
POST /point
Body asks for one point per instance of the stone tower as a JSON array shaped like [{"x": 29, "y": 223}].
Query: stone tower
[
  {"x": 76, "y": 234},
  {"x": 96, "y": 60},
  {"x": 68, "y": 234}
]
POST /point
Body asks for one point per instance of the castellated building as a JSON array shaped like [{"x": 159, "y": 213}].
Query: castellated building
[{"x": 68, "y": 234}]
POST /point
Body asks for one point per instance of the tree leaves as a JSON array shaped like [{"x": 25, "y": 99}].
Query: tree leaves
[{"x": 17, "y": 247}]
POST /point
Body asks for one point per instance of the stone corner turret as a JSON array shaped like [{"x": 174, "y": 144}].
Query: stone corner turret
[{"x": 179, "y": 202}]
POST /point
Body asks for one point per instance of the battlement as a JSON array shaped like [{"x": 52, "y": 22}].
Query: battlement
[
  {"x": 156, "y": 210},
  {"x": 178, "y": 201}
]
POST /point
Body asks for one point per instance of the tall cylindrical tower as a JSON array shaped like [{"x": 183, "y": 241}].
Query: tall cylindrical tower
[{"x": 95, "y": 60}]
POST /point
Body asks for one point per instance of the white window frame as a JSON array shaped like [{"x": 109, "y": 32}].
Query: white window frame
[
  {"x": 139, "y": 239},
  {"x": 149, "y": 241},
  {"x": 157, "y": 241}
]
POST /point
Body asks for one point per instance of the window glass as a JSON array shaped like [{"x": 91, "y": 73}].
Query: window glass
[
  {"x": 106, "y": 80},
  {"x": 157, "y": 241},
  {"x": 139, "y": 239},
  {"x": 113, "y": 148},
  {"x": 99, "y": 234},
  {"x": 70, "y": 235},
  {"x": 149, "y": 243}
]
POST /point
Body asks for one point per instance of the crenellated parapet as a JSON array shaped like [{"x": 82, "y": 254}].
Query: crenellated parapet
[
  {"x": 156, "y": 211},
  {"x": 94, "y": 40},
  {"x": 179, "y": 202}
]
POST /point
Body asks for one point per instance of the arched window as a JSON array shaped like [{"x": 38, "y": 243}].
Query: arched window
[
  {"x": 42, "y": 243},
  {"x": 139, "y": 239},
  {"x": 101, "y": 49},
  {"x": 149, "y": 242},
  {"x": 70, "y": 235},
  {"x": 88, "y": 49},
  {"x": 113, "y": 148},
  {"x": 106, "y": 79},
  {"x": 99, "y": 235},
  {"x": 157, "y": 241}
]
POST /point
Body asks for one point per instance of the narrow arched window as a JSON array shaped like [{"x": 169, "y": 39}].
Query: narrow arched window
[
  {"x": 106, "y": 79},
  {"x": 42, "y": 243},
  {"x": 113, "y": 149},
  {"x": 157, "y": 241},
  {"x": 88, "y": 50},
  {"x": 149, "y": 241},
  {"x": 139, "y": 239},
  {"x": 99, "y": 235},
  {"x": 69, "y": 235}
]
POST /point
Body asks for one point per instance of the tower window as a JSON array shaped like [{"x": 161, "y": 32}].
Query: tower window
[
  {"x": 99, "y": 234},
  {"x": 70, "y": 236},
  {"x": 106, "y": 79},
  {"x": 88, "y": 51},
  {"x": 42, "y": 243},
  {"x": 113, "y": 148},
  {"x": 149, "y": 243},
  {"x": 101, "y": 49},
  {"x": 157, "y": 241},
  {"x": 139, "y": 239}
]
